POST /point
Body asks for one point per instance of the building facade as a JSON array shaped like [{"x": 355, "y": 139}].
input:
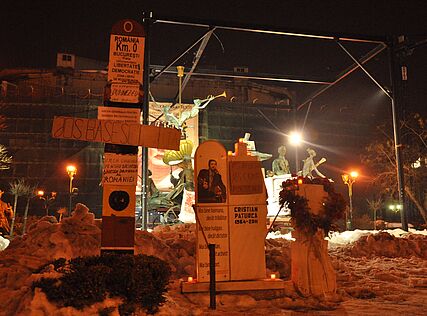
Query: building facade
[{"x": 31, "y": 98}]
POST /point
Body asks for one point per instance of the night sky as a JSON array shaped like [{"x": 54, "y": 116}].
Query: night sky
[{"x": 32, "y": 32}]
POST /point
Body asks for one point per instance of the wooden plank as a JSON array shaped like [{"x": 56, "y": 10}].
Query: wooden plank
[
  {"x": 252, "y": 285},
  {"x": 115, "y": 132}
]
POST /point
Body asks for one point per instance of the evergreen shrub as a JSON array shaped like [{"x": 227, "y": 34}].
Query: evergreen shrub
[{"x": 140, "y": 281}]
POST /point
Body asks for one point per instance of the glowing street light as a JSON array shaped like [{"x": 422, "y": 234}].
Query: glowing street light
[
  {"x": 71, "y": 171},
  {"x": 348, "y": 180},
  {"x": 395, "y": 207},
  {"x": 295, "y": 139},
  {"x": 47, "y": 200}
]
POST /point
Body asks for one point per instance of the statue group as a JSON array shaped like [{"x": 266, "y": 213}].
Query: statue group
[{"x": 280, "y": 165}]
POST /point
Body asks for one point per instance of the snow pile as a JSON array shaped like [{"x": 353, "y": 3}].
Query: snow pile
[
  {"x": 277, "y": 234},
  {"x": 373, "y": 269},
  {"x": 387, "y": 245},
  {"x": 46, "y": 240},
  {"x": 174, "y": 244},
  {"x": 350, "y": 236},
  {"x": 278, "y": 257}
]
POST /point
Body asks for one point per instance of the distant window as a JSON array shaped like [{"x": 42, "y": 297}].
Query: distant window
[
  {"x": 241, "y": 69},
  {"x": 66, "y": 57}
]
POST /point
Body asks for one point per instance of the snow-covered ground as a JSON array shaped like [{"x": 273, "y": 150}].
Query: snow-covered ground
[{"x": 378, "y": 273}]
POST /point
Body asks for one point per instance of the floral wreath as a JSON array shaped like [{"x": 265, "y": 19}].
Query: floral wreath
[{"x": 333, "y": 206}]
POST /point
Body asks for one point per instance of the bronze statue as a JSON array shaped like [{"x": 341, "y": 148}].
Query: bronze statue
[
  {"x": 280, "y": 165},
  {"x": 179, "y": 122},
  {"x": 309, "y": 165}
]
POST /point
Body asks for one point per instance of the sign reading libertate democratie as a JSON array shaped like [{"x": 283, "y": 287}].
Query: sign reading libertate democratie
[
  {"x": 115, "y": 132},
  {"x": 126, "y": 59},
  {"x": 212, "y": 213}
]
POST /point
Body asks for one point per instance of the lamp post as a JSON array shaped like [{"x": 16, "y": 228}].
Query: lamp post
[
  {"x": 295, "y": 139},
  {"x": 71, "y": 170},
  {"x": 348, "y": 180},
  {"x": 395, "y": 207},
  {"x": 47, "y": 200}
]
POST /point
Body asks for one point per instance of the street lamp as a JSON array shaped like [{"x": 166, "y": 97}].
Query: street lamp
[
  {"x": 71, "y": 170},
  {"x": 395, "y": 207},
  {"x": 349, "y": 179},
  {"x": 295, "y": 139},
  {"x": 47, "y": 200}
]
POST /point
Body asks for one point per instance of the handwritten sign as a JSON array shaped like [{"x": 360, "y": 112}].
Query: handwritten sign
[
  {"x": 120, "y": 169},
  {"x": 115, "y": 132},
  {"x": 127, "y": 93},
  {"x": 245, "y": 177},
  {"x": 112, "y": 113}
]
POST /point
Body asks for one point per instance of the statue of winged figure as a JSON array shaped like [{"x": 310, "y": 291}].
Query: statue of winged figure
[{"x": 187, "y": 114}]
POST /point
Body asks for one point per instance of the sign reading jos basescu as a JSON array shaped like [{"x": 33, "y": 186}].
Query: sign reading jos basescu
[{"x": 115, "y": 132}]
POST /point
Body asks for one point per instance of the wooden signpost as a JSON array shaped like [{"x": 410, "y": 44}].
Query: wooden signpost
[
  {"x": 118, "y": 126},
  {"x": 125, "y": 75}
]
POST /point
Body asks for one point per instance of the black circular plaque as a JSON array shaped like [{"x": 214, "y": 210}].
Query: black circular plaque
[{"x": 119, "y": 200}]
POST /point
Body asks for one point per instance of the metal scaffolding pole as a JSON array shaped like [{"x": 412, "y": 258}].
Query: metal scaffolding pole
[
  {"x": 357, "y": 63},
  {"x": 395, "y": 83},
  {"x": 378, "y": 49},
  {"x": 145, "y": 114},
  {"x": 396, "y": 132},
  {"x": 266, "y": 30}
]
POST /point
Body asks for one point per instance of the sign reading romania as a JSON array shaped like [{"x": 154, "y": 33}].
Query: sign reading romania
[{"x": 126, "y": 53}]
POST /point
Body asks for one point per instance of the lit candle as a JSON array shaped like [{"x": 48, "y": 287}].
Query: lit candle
[
  {"x": 273, "y": 276},
  {"x": 190, "y": 279}
]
